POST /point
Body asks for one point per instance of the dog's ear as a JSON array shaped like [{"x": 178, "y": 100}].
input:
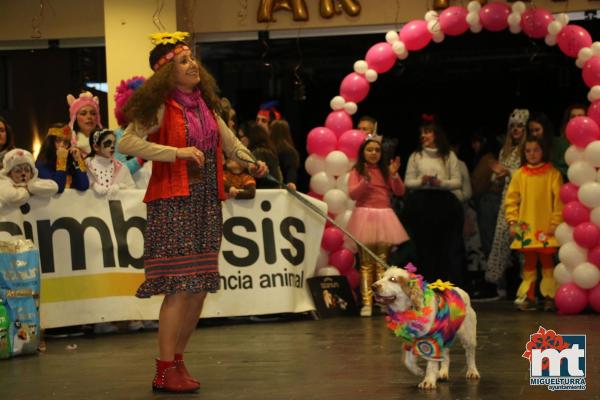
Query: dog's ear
[{"x": 414, "y": 292}]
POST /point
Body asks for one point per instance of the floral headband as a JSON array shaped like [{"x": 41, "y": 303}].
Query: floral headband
[
  {"x": 64, "y": 132},
  {"x": 163, "y": 38}
]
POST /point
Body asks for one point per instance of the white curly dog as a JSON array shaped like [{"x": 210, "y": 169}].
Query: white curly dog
[{"x": 419, "y": 312}]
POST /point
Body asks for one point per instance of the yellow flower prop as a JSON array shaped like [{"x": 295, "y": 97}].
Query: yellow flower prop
[
  {"x": 439, "y": 285},
  {"x": 168, "y": 37}
]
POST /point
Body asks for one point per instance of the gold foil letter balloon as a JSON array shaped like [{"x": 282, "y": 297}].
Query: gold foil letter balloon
[
  {"x": 266, "y": 9},
  {"x": 328, "y": 8}
]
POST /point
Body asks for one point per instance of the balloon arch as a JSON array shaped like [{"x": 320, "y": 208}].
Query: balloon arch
[{"x": 333, "y": 148}]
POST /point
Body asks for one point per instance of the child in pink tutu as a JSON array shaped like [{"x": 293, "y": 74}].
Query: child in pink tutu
[{"x": 373, "y": 221}]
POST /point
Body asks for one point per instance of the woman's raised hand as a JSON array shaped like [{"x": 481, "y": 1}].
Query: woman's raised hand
[
  {"x": 192, "y": 154},
  {"x": 394, "y": 166}
]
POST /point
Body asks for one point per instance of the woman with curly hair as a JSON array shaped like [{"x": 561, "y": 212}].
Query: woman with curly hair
[{"x": 177, "y": 110}]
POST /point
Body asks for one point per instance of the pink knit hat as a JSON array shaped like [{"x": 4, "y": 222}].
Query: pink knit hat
[{"x": 85, "y": 99}]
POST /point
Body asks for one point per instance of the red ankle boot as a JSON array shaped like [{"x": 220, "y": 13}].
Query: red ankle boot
[
  {"x": 168, "y": 379},
  {"x": 183, "y": 370}
]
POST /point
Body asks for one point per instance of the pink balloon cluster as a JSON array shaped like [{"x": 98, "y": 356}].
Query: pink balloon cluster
[
  {"x": 331, "y": 145},
  {"x": 579, "y": 272}
]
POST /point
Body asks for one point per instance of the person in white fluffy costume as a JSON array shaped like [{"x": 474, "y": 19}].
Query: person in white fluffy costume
[{"x": 19, "y": 180}]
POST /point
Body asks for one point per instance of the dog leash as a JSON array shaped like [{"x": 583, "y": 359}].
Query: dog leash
[{"x": 248, "y": 157}]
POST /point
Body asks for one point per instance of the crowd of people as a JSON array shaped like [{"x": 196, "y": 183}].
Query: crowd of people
[{"x": 459, "y": 220}]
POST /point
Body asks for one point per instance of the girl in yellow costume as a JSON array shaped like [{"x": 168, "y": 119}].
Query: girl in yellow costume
[{"x": 533, "y": 211}]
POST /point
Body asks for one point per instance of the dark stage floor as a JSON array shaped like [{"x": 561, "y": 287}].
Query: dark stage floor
[{"x": 343, "y": 358}]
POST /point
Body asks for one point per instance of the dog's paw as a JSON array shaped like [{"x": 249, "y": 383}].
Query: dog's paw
[
  {"x": 472, "y": 373},
  {"x": 428, "y": 384},
  {"x": 443, "y": 375}
]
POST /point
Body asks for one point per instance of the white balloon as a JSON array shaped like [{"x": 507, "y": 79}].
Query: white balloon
[
  {"x": 336, "y": 163},
  {"x": 598, "y": 175},
  {"x": 554, "y": 28},
  {"x": 562, "y": 274},
  {"x": 550, "y": 40},
  {"x": 329, "y": 270},
  {"x": 514, "y": 19},
  {"x": 585, "y": 54},
  {"x": 350, "y": 244},
  {"x": 563, "y": 19},
  {"x": 476, "y": 28},
  {"x": 314, "y": 164},
  {"x": 350, "y": 107},
  {"x": 515, "y": 29},
  {"x": 351, "y": 204},
  {"x": 591, "y": 153},
  {"x": 336, "y": 200},
  {"x": 392, "y": 37},
  {"x": 519, "y": 7},
  {"x": 431, "y": 16},
  {"x": 361, "y": 66},
  {"x": 589, "y": 194},
  {"x": 438, "y": 37},
  {"x": 342, "y": 182},
  {"x": 581, "y": 172},
  {"x": 594, "y": 93},
  {"x": 371, "y": 75},
  {"x": 586, "y": 275},
  {"x": 473, "y": 18},
  {"x": 342, "y": 218},
  {"x": 321, "y": 183},
  {"x": 434, "y": 26},
  {"x": 337, "y": 103},
  {"x": 399, "y": 48},
  {"x": 595, "y": 216},
  {"x": 564, "y": 233},
  {"x": 474, "y": 6},
  {"x": 402, "y": 56},
  {"x": 573, "y": 154},
  {"x": 572, "y": 255},
  {"x": 579, "y": 63},
  {"x": 323, "y": 258},
  {"x": 596, "y": 48}
]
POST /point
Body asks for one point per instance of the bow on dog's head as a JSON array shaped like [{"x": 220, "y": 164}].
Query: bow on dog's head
[{"x": 400, "y": 289}]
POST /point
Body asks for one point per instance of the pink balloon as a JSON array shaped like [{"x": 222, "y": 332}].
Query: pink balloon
[
  {"x": 581, "y": 131},
  {"x": 586, "y": 235},
  {"x": 591, "y": 71},
  {"x": 575, "y": 213},
  {"x": 594, "y": 256},
  {"x": 339, "y": 122},
  {"x": 453, "y": 21},
  {"x": 333, "y": 239},
  {"x": 594, "y": 111},
  {"x": 315, "y": 195},
  {"x": 570, "y": 299},
  {"x": 321, "y": 141},
  {"x": 327, "y": 223},
  {"x": 494, "y": 16},
  {"x": 353, "y": 278},
  {"x": 415, "y": 35},
  {"x": 381, "y": 57},
  {"x": 342, "y": 259},
  {"x": 535, "y": 22},
  {"x": 349, "y": 142},
  {"x": 594, "y": 298},
  {"x": 573, "y": 38},
  {"x": 354, "y": 87},
  {"x": 568, "y": 193}
]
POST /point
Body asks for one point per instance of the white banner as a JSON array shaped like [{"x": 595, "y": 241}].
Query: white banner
[{"x": 91, "y": 254}]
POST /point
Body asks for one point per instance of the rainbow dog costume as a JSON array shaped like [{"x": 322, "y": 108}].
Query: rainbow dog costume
[{"x": 409, "y": 324}]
